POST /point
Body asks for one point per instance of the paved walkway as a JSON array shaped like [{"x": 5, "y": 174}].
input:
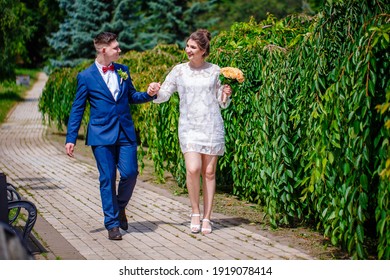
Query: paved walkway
[{"x": 65, "y": 191}]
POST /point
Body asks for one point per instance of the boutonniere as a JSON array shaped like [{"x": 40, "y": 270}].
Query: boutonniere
[{"x": 123, "y": 75}]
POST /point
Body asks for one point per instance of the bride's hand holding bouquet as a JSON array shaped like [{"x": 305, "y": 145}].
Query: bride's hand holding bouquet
[{"x": 229, "y": 76}]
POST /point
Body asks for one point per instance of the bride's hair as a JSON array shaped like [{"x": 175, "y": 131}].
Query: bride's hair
[{"x": 202, "y": 37}]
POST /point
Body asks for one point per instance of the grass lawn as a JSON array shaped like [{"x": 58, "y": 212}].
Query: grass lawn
[{"x": 11, "y": 94}]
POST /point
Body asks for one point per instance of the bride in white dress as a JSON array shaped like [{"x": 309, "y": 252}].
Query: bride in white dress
[{"x": 201, "y": 129}]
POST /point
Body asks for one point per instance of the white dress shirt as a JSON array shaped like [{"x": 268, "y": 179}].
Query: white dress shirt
[{"x": 111, "y": 80}]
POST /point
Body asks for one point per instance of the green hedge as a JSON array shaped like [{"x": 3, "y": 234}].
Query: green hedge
[
  {"x": 57, "y": 97},
  {"x": 305, "y": 133}
]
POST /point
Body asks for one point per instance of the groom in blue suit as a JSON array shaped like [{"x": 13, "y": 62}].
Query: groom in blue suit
[{"x": 111, "y": 134}]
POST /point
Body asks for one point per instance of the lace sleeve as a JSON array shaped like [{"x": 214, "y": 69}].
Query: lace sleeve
[{"x": 168, "y": 87}]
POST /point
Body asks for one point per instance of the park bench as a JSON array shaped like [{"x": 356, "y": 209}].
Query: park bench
[{"x": 11, "y": 206}]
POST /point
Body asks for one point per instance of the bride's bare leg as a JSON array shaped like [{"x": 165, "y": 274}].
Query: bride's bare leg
[
  {"x": 209, "y": 165},
  {"x": 193, "y": 168}
]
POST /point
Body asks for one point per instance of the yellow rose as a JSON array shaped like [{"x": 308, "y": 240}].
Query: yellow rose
[{"x": 233, "y": 74}]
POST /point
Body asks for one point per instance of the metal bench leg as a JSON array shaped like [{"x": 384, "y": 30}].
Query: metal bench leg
[{"x": 32, "y": 215}]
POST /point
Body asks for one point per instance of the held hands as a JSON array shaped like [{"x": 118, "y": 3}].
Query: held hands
[
  {"x": 226, "y": 92},
  {"x": 153, "y": 88}
]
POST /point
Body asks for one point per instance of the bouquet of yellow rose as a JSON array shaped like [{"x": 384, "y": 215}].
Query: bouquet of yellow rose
[{"x": 229, "y": 76}]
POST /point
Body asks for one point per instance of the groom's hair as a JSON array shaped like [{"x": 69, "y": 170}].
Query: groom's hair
[{"x": 104, "y": 38}]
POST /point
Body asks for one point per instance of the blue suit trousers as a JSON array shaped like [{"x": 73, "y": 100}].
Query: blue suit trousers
[{"x": 121, "y": 156}]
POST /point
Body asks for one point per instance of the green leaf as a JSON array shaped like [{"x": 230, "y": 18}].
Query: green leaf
[
  {"x": 332, "y": 216},
  {"x": 290, "y": 173},
  {"x": 364, "y": 182},
  {"x": 346, "y": 168},
  {"x": 360, "y": 251},
  {"x": 330, "y": 157},
  {"x": 386, "y": 36},
  {"x": 334, "y": 240},
  {"x": 380, "y": 227}
]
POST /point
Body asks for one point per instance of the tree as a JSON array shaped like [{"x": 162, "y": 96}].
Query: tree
[
  {"x": 171, "y": 21},
  {"x": 15, "y": 29},
  {"x": 315, "y": 5},
  {"x": 46, "y": 17},
  {"x": 83, "y": 20},
  {"x": 242, "y": 10},
  {"x": 23, "y": 27},
  {"x": 127, "y": 21},
  {"x": 139, "y": 24}
]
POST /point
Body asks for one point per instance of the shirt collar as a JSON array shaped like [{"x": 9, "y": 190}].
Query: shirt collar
[{"x": 100, "y": 67}]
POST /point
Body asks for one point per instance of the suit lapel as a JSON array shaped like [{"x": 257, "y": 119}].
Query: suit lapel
[
  {"x": 98, "y": 77},
  {"x": 116, "y": 66}
]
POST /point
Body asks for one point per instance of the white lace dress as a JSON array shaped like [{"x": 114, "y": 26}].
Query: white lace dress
[{"x": 200, "y": 124}]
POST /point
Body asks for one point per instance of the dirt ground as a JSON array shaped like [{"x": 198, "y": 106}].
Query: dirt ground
[{"x": 250, "y": 215}]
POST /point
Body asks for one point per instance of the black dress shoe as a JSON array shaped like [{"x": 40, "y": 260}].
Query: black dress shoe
[
  {"x": 123, "y": 220},
  {"x": 114, "y": 234}
]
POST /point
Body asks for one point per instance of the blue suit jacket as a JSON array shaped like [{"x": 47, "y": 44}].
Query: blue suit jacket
[{"x": 106, "y": 114}]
